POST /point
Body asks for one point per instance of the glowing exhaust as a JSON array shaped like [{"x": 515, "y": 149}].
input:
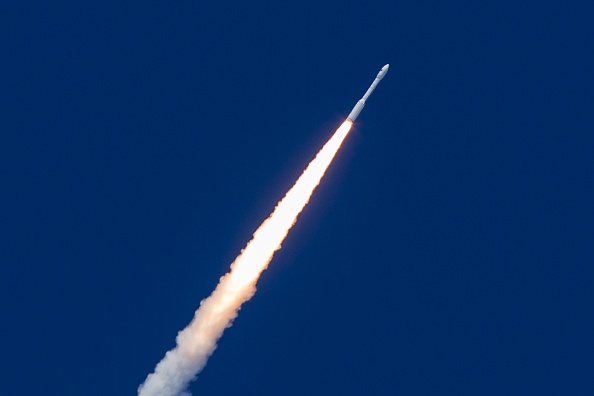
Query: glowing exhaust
[{"x": 198, "y": 340}]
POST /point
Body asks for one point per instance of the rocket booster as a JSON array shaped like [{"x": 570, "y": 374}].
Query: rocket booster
[{"x": 361, "y": 103}]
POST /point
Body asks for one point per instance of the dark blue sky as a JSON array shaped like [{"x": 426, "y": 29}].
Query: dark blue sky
[{"x": 449, "y": 249}]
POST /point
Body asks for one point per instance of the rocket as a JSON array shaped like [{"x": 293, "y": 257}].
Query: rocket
[{"x": 361, "y": 103}]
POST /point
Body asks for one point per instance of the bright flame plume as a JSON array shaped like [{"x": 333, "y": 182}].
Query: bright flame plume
[{"x": 198, "y": 340}]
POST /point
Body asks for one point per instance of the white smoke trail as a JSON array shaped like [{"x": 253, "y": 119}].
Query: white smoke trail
[{"x": 198, "y": 340}]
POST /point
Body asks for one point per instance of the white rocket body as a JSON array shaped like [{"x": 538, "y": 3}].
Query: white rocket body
[{"x": 361, "y": 103}]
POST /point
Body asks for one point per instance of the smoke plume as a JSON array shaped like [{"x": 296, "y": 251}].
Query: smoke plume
[{"x": 199, "y": 339}]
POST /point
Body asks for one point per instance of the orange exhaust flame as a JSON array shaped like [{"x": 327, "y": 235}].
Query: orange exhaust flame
[{"x": 198, "y": 340}]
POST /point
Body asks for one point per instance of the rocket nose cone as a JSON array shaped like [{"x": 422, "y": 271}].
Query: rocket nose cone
[{"x": 383, "y": 72}]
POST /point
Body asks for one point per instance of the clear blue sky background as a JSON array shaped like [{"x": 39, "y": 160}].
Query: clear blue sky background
[{"x": 448, "y": 251}]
